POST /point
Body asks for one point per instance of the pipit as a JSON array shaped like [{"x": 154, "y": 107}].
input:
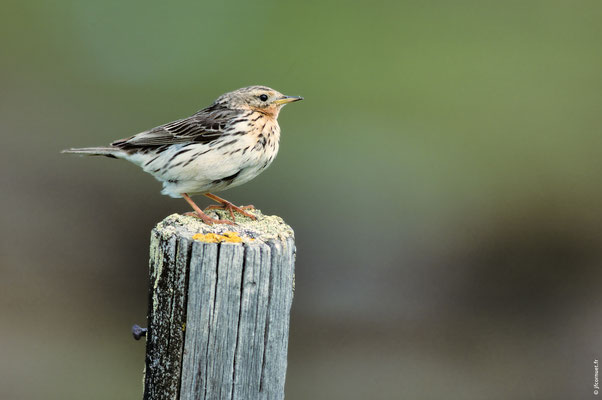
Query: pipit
[{"x": 220, "y": 147}]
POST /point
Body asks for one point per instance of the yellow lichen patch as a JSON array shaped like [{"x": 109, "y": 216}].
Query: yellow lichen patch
[{"x": 230, "y": 237}]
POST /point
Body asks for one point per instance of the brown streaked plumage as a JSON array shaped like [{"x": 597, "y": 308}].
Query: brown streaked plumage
[{"x": 219, "y": 147}]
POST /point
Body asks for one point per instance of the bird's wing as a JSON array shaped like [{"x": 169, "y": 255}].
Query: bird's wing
[{"x": 205, "y": 126}]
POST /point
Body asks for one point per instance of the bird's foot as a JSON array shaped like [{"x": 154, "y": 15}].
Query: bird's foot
[
  {"x": 207, "y": 219},
  {"x": 200, "y": 214},
  {"x": 226, "y": 205}
]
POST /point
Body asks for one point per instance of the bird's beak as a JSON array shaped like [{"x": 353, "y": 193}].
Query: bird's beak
[{"x": 287, "y": 99}]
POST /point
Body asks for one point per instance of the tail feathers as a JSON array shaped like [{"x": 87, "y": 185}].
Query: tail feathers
[{"x": 96, "y": 151}]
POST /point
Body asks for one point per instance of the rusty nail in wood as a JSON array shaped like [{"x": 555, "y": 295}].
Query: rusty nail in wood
[{"x": 138, "y": 332}]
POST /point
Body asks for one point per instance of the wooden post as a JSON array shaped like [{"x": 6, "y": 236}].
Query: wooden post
[{"x": 219, "y": 306}]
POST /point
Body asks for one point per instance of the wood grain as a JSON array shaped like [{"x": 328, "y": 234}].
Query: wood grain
[{"x": 219, "y": 312}]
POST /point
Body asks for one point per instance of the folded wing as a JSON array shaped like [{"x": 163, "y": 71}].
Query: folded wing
[{"x": 205, "y": 126}]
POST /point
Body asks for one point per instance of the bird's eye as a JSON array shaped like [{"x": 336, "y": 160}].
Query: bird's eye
[{"x": 263, "y": 97}]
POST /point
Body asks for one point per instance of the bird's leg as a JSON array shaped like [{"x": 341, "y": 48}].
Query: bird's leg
[
  {"x": 226, "y": 205},
  {"x": 198, "y": 213}
]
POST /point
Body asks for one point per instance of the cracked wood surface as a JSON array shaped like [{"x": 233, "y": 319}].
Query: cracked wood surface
[{"x": 219, "y": 312}]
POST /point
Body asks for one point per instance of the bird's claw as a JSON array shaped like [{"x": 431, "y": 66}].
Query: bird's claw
[
  {"x": 231, "y": 208},
  {"x": 208, "y": 220}
]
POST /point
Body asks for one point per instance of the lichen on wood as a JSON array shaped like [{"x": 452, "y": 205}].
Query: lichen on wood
[
  {"x": 264, "y": 228},
  {"x": 228, "y": 237}
]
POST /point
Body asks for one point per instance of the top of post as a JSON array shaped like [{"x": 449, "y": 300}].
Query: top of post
[{"x": 245, "y": 230}]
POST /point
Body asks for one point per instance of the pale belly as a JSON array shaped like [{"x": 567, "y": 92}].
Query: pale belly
[{"x": 203, "y": 168}]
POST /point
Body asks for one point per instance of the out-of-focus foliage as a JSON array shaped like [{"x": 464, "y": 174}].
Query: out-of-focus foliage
[{"x": 443, "y": 177}]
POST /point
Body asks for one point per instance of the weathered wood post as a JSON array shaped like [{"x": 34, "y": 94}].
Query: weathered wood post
[{"x": 219, "y": 306}]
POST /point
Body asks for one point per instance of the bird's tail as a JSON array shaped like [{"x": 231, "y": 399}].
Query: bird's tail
[{"x": 97, "y": 151}]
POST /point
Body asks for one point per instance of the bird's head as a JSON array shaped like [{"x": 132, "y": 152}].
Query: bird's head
[{"x": 257, "y": 98}]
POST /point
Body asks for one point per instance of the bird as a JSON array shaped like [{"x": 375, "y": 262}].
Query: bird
[{"x": 219, "y": 147}]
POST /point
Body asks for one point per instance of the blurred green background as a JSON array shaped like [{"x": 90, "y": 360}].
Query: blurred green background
[{"x": 443, "y": 177}]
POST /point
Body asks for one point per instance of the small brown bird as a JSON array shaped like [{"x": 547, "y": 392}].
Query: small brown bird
[{"x": 222, "y": 146}]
